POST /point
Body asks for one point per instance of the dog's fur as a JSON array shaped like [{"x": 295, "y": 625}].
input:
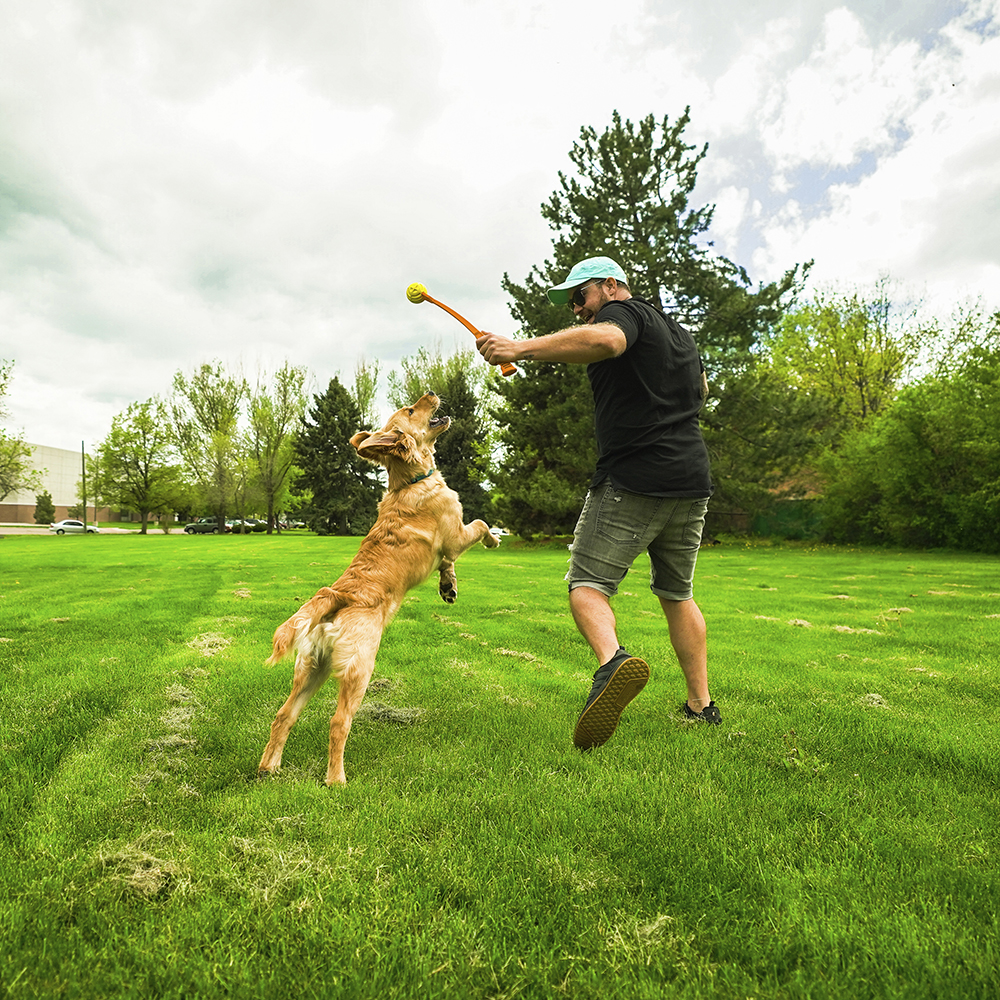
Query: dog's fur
[{"x": 419, "y": 529}]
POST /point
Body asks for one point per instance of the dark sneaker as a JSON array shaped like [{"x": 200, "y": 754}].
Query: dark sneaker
[
  {"x": 709, "y": 714},
  {"x": 615, "y": 685}
]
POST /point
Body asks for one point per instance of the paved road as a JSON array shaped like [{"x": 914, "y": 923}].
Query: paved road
[{"x": 38, "y": 529}]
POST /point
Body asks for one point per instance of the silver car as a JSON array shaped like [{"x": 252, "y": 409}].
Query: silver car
[{"x": 70, "y": 527}]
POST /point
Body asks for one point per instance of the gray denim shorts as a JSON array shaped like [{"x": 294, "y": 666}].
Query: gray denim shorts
[{"x": 615, "y": 526}]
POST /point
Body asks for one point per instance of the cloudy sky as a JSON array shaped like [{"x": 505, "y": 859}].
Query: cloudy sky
[{"x": 259, "y": 180}]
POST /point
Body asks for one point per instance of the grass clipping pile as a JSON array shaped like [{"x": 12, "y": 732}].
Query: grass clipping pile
[
  {"x": 209, "y": 643},
  {"x": 140, "y": 871}
]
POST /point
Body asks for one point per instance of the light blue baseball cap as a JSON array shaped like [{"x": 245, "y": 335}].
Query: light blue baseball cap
[{"x": 587, "y": 270}]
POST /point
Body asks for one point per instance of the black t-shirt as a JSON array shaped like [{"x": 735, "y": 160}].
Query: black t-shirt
[{"x": 646, "y": 404}]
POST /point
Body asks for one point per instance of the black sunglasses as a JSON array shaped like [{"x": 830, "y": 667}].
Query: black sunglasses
[{"x": 578, "y": 298}]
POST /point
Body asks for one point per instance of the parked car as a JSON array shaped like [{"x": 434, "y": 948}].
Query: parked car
[
  {"x": 205, "y": 526},
  {"x": 70, "y": 527}
]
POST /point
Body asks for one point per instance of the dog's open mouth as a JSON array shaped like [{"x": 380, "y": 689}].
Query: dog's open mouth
[{"x": 439, "y": 421}]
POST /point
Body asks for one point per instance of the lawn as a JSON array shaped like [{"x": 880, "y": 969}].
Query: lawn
[{"x": 835, "y": 837}]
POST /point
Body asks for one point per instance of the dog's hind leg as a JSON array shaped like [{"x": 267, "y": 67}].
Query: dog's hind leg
[
  {"x": 360, "y": 645},
  {"x": 311, "y": 673}
]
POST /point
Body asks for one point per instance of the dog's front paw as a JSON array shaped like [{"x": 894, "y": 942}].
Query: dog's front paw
[{"x": 448, "y": 587}]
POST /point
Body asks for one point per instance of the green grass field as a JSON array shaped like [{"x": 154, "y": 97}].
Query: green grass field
[{"x": 835, "y": 837}]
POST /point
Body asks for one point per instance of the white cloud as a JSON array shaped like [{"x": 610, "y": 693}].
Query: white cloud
[
  {"x": 731, "y": 207},
  {"x": 737, "y": 95},
  {"x": 211, "y": 179},
  {"x": 846, "y": 99},
  {"x": 273, "y": 117},
  {"x": 930, "y": 210}
]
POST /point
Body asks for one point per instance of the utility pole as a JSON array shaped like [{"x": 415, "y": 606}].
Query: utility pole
[{"x": 83, "y": 467}]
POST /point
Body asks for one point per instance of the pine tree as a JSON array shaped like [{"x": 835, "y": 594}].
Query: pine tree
[
  {"x": 343, "y": 488},
  {"x": 548, "y": 449},
  {"x": 45, "y": 510},
  {"x": 462, "y": 452},
  {"x": 629, "y": 201}
]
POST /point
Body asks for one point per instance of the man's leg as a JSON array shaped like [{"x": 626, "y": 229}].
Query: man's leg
[
  {"x": 688, "y": 636},
  {"x": 619, "y": 677},
  {"x": 595, "y": 620},
  {"x": 604, "y": 544}
]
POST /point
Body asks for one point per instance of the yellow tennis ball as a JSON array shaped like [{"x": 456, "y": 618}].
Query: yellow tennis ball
[{"x": 416, "y": 292}]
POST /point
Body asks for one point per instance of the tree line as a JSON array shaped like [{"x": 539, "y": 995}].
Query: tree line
[
  {"x": 16, "y": 469},
  {"x": 893, "y": 422}
]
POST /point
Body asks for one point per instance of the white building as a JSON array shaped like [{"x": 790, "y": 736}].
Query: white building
[{"x": 62, "y": 474}]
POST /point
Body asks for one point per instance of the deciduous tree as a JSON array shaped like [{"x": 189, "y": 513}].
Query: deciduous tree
[
  {"x": 205, "y": 409},
  {"x": 17, "y": 471},
  {"x": 276, "y": 406},
  {"x": 136, "y": 466},
  {"x": 365, "y": 390},
  {"x": 925, "y": 471},
  {"x": 854, "y": 349}
]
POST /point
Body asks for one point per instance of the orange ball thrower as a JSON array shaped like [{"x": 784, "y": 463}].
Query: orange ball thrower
[{"x": 417, "y": 293}]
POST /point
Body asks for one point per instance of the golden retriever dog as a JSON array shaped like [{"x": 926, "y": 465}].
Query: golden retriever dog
[{"x": 419, "y": 530}]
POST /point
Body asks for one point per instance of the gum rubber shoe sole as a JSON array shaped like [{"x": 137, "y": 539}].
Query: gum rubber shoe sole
[{"x": 599, "y": 720}]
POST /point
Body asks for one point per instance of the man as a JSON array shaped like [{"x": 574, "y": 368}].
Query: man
[{"x": 651, "y": 487}]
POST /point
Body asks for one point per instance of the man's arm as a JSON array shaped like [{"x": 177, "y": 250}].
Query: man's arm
[{"x": 576, "y": 345}]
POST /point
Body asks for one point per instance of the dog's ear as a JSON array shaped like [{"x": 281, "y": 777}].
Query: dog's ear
[
  {"x": 378, "y": 441},
  {"x": 379, "y": 446},
  {"x": 372, "y": 446}
]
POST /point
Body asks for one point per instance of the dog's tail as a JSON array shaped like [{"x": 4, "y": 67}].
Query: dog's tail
[
  {"x": 283, "y": 641},
  {"x": 321, "y": 607}
]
